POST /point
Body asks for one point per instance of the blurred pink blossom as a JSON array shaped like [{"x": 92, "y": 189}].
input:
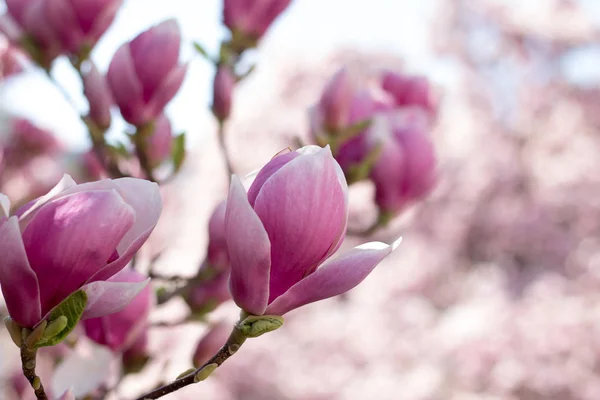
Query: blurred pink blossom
[
  {"x": 252, "y": 18},
  {"x": 145, "y": 73},
  {"x": 223, "y": 86},
  {"x": 97, "y": 92},
  {"x": 160, "y": 141}
]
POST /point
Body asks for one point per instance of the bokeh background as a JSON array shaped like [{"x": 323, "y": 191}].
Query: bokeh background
[{"x": 495, "y": 290}]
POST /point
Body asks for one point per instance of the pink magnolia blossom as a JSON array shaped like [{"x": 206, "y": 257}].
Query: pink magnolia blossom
[
  {"x": 335, "y": 104},
  {"x": 251, "y": 17},
  {"x": 160, "y": 142},
  {"x": 76, "y": 237},
  {"x": 205, "y": 295},
  {"x": 32, "y": 18},
  {"x": 145, "y": 73},
  {"x": 119, "y": 331},
  {"x": 223, "y": 85},
  {"x": 217, "y": 256},
  {"x": 405, "y": 168},
  {"x": 292, "y": 220},
  {"x": 96, "y": 90},
  {"x": 409, "y": 90},
  {"x": 79, "y": 24},
  {"x": 211, "y": 342},
  {"x": 27, "y": 140}
]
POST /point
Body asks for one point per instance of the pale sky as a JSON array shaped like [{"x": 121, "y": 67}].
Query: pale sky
[{"x": 308, "y": 30}]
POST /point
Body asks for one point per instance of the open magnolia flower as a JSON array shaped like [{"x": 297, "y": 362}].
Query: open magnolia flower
[
  {"x": 77, "y": 237},
  {"x": 279, "y": 234}
]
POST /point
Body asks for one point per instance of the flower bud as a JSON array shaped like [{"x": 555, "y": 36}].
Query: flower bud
[
  {"x": 252, "y": 18},
  {"x": 26, "y": 140},
  {"x": 211, "y": 342},
  {"x": 217, "y": 257},
  {"x": 119, "y": 331},
  {"x": 292, "y": 219},
  {"x": 79, "y": 24},
  {"x": 204, "y": 295},
  {"x": 75, "y": 240},
  {"x": 160, "y": 142},
  {"x": 409, "y": 90},
  {"x": 100, "y": 99},
  {"x": 223, "y": 85},
  {"x": 145, "y": 73},
  {"x": 405, "y": 169},
  {"x": 41, "y": 38},
  {"x": 336, "y": 101}
]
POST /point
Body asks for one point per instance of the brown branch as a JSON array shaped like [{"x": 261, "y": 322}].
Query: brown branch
[
  {"x": 28, "y": 365},
  {"x": 235, "y": 341}
]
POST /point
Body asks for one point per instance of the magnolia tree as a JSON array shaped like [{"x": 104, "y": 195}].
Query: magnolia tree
[{"x": 68, "y": 247}]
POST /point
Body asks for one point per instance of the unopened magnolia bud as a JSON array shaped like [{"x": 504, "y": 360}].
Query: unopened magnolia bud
[
  {"x": 205, "y": 372},
  {"x": 210, "y": 343},
  {"x": 223, "y": 85},
  {"x": 55, "y": 327},
  {"x": 255, "y": 325}
]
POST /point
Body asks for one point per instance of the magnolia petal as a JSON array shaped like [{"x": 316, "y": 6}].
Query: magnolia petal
[
  {"x": 125, "y": 86},
  {"x": 249, "y": 251},
  {"x": 109, "y": 297},
  {"x": 4, "y": 206},
  {"x": 144, "y": 197},
  {"x": 333, "y": 278},
  {"x": 165, "y": 92},
  {"x": 302, "y": 208},
  {"x": 18, "y": 281},
  {"x": 71, "y": 238},
  {"x": 25, "y": 212}
]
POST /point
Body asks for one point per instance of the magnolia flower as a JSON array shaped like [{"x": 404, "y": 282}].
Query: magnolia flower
[
  {"x": 119, "y": 331},
  {"x": 217, "y": 257},
  {"x": 79, "y": 24},
  {"x": 96, "y": 90},
  {"x": 405, "y": 170},
  {"x": 145, "y": 73},
  {"x": 32, "y": 18},
  {"x": 76, "y": 237},
  {"x": 281, "y": 234},
  {"x": 250, "y": 17}
]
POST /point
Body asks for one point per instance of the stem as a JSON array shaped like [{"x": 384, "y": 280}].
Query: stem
[
  {"x": 140, "y": 140},
  {"x": 96, "y": 134},
  {"x": 28, "y": 363},
  {"x": 221, "y": 135},
  {"x": 235, "y": 341}
]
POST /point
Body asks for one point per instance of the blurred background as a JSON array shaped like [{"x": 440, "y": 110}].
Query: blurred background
[{"x": 495, "y": 290}]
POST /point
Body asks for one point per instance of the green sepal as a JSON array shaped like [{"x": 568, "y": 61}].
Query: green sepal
[
  {"x": 70, "y": 308},
  {"x": 361, "y": 171},
  {"x": 202, "y": 51},
  {"x": 257, "y": 325},
  {"x": 178, "y": 151},
  {"x": 205, "y": 372}
]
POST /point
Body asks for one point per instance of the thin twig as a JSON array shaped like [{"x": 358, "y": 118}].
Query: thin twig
[
  {"x": 236, "y": 339},
  {"x": 28, "y": 365},
  {"x": 221, "y": 136},
  {"x": 97, "y": 138}
]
